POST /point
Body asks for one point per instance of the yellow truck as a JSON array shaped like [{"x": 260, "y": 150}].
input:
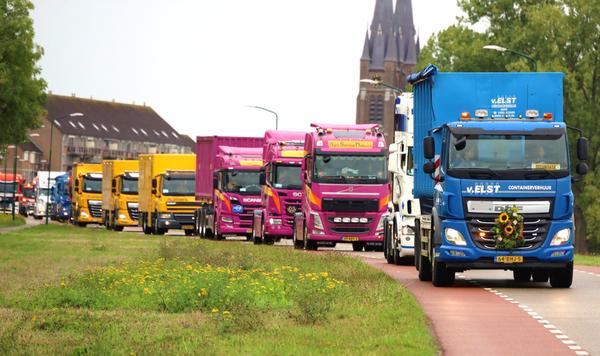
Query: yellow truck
[
  {"x": 120, "y": 193},
  {"x": 167, "y": 187},
  {"x": 86, "y": 194}
]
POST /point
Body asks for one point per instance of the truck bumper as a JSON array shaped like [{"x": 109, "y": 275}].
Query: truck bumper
[
  {"x": 375, "y": 239},
  {"x": 284, "y": 228},
  {"x": 174, "y": 224},
  {"x": 86, "y": 217}
]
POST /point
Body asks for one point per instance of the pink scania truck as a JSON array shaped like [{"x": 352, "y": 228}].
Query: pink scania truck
[
  {"x": 227, "y": 183},
  {"x": 281, "y": 185},
  {"x": 344, "y": 188}
]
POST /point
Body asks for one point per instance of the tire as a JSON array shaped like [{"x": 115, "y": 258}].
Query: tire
[
  {"x": 147, "y": 230},
  {"x": 201, "y": 222},
  {"x": 540, "y": 275},
  {"x": 297, "y": 243},
  {"x": 157, "y": 230},
  {"x": 267, "y": 239},
  {"x": 308, "y": 244},
  {"x": 258, "y": 240},
  {"x": 563, "y": 277},
  {"x": 119, "y": 228},
  {"x": 357, "y": 246},
  {"x": 442, "y": 276},
  {"x": 388, "y": 250},
  {"x": 522, "y": 275},
  {"x": 422, "y": 262},
  {"x": 189, "y": 232},
  {"x": 216, "y": 234}
]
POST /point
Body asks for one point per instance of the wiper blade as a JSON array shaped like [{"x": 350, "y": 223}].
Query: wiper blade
[
  {"x": 541, "y": 173},
  {"x": 486, "y": 171}
]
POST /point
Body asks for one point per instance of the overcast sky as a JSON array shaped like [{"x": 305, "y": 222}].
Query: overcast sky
[{"x": 198, "y": 62}]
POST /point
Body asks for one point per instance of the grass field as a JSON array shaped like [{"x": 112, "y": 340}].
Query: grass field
[
  {"x": 588, "y": 260},
  {"x": 71, "y": 291},
  {"x": 6, "y": 220}
]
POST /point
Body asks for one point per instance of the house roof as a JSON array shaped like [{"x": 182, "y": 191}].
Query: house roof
[{"x": 110, "y": 120}]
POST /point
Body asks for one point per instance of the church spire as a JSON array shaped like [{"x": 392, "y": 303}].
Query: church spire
[{"x": 366, "y": 55}]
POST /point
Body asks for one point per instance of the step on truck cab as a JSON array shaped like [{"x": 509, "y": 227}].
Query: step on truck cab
[
  {"x": 166, "y": 193},
  {"x": 232, "y": 194},
  {"x": 344, "y": 188},
  {"x": 281, "y": 185},
  {"x": 399, "y": 236},
  {"x": 86, "y": 194},
  {"x": 61, "y": 198},
  {"x": 45, "y": 181},
  {"x": 493, "y": 176},
  {"x": 120, "y": 193}
]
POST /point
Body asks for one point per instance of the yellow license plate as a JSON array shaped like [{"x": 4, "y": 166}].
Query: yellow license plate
[
  {"x": 188, "y": 227},
  {"x": 509, "y": 259},
  {"x": 350, "y": 238}
]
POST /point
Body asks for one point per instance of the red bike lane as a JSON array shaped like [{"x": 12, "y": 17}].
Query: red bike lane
[{"x": 469, "y": 320}]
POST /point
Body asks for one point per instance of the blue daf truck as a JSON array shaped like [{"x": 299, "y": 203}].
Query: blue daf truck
[{"x": 493, "y": 176}]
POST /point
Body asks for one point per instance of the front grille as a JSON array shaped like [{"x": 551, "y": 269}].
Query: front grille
[
  {"x": 184, "y": 218},
  {"x": 348, "y": 205},
  {"x": 246, "y": 217},
  {"x": 350, "y": 230},
  {"x": 183, "y": 203},
  {"x": 95, "y": 210},
  {"x": 534, "y": 232},
  {"x": 133, "y": 214}
]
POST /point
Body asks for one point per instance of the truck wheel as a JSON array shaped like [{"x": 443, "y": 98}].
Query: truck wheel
[
  {"x": 267, "y": 239},
  {"x": 388, "y": 251},
  {"x": 308, "y": 244},
  {"x": 258, "y": 239},
  {"x": 357, "y": 246},
  {"x": 157, "y": 230},
  {"x": 442, "y": 276},
  {"x": 145, "y": 227},
  {"x": 189, "y": 232},
  {"x": 422, "y": 263},
  {"x": 522, "y": 275},
  {"x": 563, "y": 277},
  {"x": 217, "y": 236},
  {"x": 297, "y": 243}
]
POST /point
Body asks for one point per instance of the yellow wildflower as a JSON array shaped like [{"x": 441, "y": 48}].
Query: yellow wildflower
[{"x": 215, "y": 310}]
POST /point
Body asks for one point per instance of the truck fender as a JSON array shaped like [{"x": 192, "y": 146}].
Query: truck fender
[{"x": 437, "y": 224}]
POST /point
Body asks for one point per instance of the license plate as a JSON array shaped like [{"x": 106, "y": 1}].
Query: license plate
[
  {"x": 509, "y": 259},
  {"x": 350, "y": 238},
  {"x": 188, "y": 227}
]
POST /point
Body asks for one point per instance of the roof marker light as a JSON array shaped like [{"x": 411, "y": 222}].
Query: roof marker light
[
  {"x": 547, "y": 116},
  {"x": 481, "y": 113},
  {"x": 532, "y": 114},
  {"x": 465, "y": 116}
]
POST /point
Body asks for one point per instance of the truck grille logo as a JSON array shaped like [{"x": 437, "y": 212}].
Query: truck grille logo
[{"x": 291, "y": 209}]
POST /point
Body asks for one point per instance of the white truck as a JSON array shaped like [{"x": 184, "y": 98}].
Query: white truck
[
  {"x": 399, "y": 233},
  {"x": 42, "y": 192}
]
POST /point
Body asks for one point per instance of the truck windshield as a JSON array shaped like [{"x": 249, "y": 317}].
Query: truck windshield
[
  {"x": 287, "y": 177},
  {"x": 503, "y": 155},
  {"x": 242, "y": 182},
  {"x": 92, "y": 185},
  {"x": 177, "y": 186},
  {"x": 129, "y": 186},
  {"x": 43, "y": 192},
  {"x": 367, "y": 169},
  {"x": 6, "y": 187},
  {"x": 29, "y": 193}
]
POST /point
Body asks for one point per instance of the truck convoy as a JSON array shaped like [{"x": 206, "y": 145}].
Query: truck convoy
[
  {"x": 86, "y": 194},
  {"x": 11, "y": 184},
  {"x": 166, "y": 193},
  {"x": 496, "y": 147},
  {"x": 120, "y": 193},
  {"x": 344, "y": 189},
  {"x": 281, "y": 185},
  {"x": 399, "y": 232},
  {"x": 45, "y": 180},
  {"x": 60, "y": 208},
  {"x": 227, "y": 184}
]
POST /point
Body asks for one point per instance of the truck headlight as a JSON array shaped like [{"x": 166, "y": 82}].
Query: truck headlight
[
  {"x": 84, "y": 214},
  {"x": 317, "y": 221},
  {"x": 122, "y": 216},
  {"x": 561, "y": 237},
  {"x": 381, "y": 222},
  {"x": 455, "y": 237},
  {"x": 275, "y": 221},
  {"x": 165, "y": 216},
  {"x": 226, "y": 219}
]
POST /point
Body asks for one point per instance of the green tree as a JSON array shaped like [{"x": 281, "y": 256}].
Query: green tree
[
  {"x": 563, "y": 36},
  {"x": 22, "y": 97}
]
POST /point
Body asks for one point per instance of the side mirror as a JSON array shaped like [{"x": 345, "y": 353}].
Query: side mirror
[
  {"x": 262, "y": 178},
  {"x": 305, "y": 175},
  {"x": 114, "y": 183},
  {"x": 393, "y": 161},
  {"x": 581, "y": 168},
  {"x": 582, "y": 149},
  {"x": 429, "y": 147},
  {"x": 154, "y": 183},
  {"x": 263, "y": 169},
  {"x": 77, "y": 183},
  {"x": 153, "y": 191},
  {"x": 215, "y": 180},
  {"x": 460, "y": 144},
  {"x": 393, "y": 148},
  {"x": 429, "y": 167},
  {"x": 114, "y": 190},
  {"x": 76, "y": 188}
]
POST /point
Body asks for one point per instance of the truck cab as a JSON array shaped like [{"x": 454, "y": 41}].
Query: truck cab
[
  {"x": 61, "y": 200},
  {"x": 86, "y": 193}
]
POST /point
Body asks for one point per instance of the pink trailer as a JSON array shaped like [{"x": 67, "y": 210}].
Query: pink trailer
[
  {"x": 345, "y": 187},
  {"x": 281, "y": 185}
]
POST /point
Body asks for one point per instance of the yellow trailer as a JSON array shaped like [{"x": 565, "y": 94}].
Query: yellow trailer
[
  {"x": 86, "y": 194},
  {"x": 120, "y": 193},
  {"x": 167, "y": 186}
]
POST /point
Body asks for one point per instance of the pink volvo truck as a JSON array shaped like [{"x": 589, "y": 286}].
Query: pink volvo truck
[
  {"x": 227, "y": 183},
  {"x": 281, "y": 186},
  {"x": 344, "y": 188}
]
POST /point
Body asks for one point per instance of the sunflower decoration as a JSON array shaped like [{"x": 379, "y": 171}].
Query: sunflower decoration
[{"x": 508, "y": 229}]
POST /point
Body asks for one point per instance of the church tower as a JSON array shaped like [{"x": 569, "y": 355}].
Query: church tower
[{"x": 390, "y": 53}]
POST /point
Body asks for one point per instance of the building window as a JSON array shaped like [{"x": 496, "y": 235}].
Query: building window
[
  {"x": 372, "y": 110},
  {"x": 380, "y": 110}
]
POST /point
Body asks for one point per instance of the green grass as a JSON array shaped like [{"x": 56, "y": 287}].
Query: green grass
[
  {"x": 71, "y": 291},
  {"x": 6, "y": 220},
  {"x": 588, "y": 260}
]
